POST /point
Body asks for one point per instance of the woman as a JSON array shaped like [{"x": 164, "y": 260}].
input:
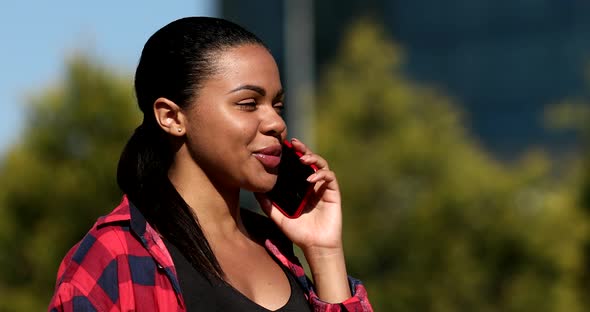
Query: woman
[{"x": 211, "y": 97}]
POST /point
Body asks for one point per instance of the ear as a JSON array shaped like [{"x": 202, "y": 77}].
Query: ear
[{"x": 170, "y": 117}]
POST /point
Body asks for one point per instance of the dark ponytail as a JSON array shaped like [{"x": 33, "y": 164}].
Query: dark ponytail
[{"x": 174, "y": 63}]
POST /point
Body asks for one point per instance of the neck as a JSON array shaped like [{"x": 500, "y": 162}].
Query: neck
[{"x": 216, "y": 207}]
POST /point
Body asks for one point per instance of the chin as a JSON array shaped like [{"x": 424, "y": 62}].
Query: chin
[{"x": 262, "y": 186}]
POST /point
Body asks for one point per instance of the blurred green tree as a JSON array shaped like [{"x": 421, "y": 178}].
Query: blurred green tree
[
  {"x": 432, "y": 223},
  {"x": 573, "y": 115},
  {"x": 60, "y": 177}
]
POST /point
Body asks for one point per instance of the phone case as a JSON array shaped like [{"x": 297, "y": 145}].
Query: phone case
[{"x": 291, "y": 193}]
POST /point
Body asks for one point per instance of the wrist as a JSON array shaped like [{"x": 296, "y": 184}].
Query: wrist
[
  {"x": 323, "y": 254},
  {"x": 328, "y": 270}
]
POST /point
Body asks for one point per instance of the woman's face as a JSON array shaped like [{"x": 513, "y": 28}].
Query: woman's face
[{"x": 235, "y": 125}]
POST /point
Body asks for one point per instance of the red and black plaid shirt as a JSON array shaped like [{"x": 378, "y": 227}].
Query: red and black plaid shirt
[{"x": 122, "y": 264}]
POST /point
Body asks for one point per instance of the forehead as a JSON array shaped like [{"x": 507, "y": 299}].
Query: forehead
[{"x": 246, "y": 64}]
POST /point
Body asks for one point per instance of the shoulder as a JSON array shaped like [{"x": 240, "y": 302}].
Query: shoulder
[
  {"x": 108, "y": 239},
  {"x": 96, "y": 254},
  {"x": 89, "y": 273},
  {"x": 95, "y": 264},
  {"x": 118, "y": 261}
]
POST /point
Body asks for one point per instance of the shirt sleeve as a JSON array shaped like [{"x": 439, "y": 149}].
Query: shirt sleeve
[
  {"x": 282, "y": 249},
  {"x": 68, "y": 298},
  {"x": 359, "y": 302}
]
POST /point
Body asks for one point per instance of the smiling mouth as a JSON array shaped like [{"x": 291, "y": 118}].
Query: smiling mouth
[
  {"x": 267, "y": 160},
  {"x": 270, "y": 157}
]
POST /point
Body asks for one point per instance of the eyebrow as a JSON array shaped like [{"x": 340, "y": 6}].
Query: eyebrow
[
  {"x": 254, "y": 88},
  {"x": 258, "y": 90}
]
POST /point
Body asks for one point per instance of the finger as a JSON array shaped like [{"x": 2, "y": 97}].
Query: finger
[
  {"x": 300, "y": 147},
  {"x": 322, "y": 175},
  {"x": 309, "y": 157},
  {"x": 315, "y": 159},
  {"x": 268, "y": 208}
]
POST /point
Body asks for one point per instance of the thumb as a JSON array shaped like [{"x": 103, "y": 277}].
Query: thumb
[{"x": 269, "y": 209}]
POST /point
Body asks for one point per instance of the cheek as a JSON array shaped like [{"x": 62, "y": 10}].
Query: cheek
[
  {"x": 223, "y": 124},
  {"x": 244, "y": 129},
  {"x": 249, "y": 131}
]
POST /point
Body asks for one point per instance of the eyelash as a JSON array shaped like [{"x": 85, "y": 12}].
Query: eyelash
[
  {"x": 250, "y": 106},
  {"x": 279, "y": 107},
  {"x": 247, "y": 105}
]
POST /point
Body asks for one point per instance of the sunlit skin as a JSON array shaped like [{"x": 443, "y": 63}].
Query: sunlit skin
[{"x": 227, "y": 141}]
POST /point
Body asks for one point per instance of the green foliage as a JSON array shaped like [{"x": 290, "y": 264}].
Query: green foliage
[
  {"x": 60, "y": 177},
  {"x": 432, "y": 223},
  {"x": 574, "y": 114}
]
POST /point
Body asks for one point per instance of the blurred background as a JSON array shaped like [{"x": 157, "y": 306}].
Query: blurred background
[{"x": 458, "y": 129}]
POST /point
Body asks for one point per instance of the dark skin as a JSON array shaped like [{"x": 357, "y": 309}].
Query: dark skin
[
  {"x": 253, "y": 272},
  {"x": 225, "y": 138}
]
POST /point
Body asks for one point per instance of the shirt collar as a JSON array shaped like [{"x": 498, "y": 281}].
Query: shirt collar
[
  {"x": 126, "y": 211},
  {"x": 121, "y": 213}
]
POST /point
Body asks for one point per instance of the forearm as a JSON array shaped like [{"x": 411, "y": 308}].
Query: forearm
[{"x": 328, "y": 269}]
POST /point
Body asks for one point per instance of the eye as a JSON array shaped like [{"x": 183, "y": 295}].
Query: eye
[
  {"x": 279, "y": 107},
  {"x": 248, "y": 105}
]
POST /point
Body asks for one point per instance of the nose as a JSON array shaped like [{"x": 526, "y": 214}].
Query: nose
[{"x": 272, "y": 123}]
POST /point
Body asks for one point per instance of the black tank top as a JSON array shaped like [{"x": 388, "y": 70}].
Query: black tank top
[{"x": 201, "y": 294}]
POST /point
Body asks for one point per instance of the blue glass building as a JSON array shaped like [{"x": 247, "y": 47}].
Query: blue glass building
[{"x": 504, "y": 61}]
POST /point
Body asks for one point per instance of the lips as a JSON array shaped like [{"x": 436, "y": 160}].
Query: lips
[{"x": 270, "y": 156}]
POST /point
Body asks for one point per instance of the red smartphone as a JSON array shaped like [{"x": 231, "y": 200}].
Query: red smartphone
[{"x": 291, "y": 192}]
